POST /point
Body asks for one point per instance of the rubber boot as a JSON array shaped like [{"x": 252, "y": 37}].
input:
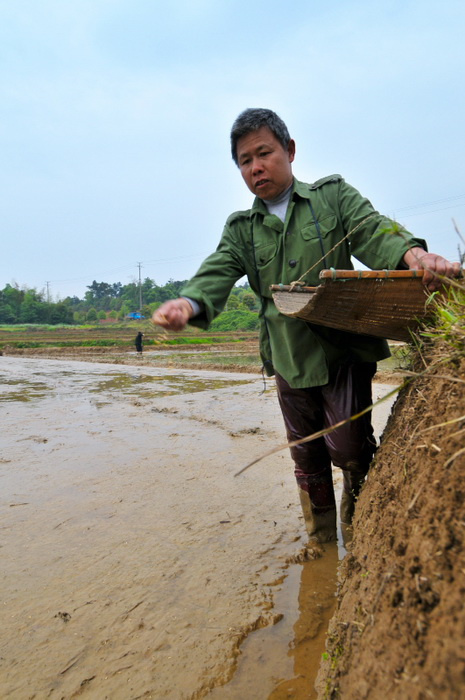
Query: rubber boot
[
  {"x": 353, "y": 482},
  {"x": 320, "y": 522}
]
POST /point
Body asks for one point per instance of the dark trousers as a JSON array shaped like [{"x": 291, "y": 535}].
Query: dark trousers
[{"x": 350, "y": 447}]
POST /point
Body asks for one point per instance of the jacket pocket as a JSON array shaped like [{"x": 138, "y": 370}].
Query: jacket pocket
[
  {"x": 264, "y": 254},
  {"x": 327, "y": 224}
]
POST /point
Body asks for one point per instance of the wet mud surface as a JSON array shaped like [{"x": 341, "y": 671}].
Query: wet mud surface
[{"x": 134, "y": 563}]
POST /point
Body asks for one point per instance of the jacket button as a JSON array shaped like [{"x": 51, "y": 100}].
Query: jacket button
[{"x": 292, "y": 263}]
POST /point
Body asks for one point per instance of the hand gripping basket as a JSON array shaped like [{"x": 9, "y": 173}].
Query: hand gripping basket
[{"x": 383, "y": 303}]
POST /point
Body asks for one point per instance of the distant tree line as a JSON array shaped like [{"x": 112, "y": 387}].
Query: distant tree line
[
  {"x": 23, "y": 305},
  {"x": 103, "y": 301}
]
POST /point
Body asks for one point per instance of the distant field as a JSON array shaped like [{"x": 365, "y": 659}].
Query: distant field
[
  {"x": 235, "y": 351},
  {"x": 231, "y": 351},
  {"x": 108, "y": 335}
]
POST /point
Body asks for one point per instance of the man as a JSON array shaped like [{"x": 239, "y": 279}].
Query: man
[
  {"x": 294, "y": 230},
  {"x": 139, "y": 342}
]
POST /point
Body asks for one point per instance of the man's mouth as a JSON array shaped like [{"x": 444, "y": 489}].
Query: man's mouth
[{"x": 260, "y": 183}]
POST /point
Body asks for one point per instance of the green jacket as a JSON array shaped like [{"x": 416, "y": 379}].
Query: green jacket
[{"x": 268, "y": 251}]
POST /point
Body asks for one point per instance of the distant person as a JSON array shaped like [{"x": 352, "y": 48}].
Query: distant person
[
  {"x": 323, "y": 376},
  {"x": 138, "y": 342}
]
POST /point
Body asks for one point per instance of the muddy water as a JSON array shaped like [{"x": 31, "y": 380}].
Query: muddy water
[
  {"x": 281, "y": 661},
  {"x": 134, "y": 563}
]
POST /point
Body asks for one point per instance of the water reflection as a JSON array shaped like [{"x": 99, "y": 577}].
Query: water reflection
[
  {"x": 167, "y": 385},
  {"x": 316, "y": 602},
  {"x": 282, "y": 661}
]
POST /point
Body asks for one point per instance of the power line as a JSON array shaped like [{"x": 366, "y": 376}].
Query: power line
[
  {"x": 86, "y": 277},
  {"x": 432, "y": 211},
  {"x": 130, "y": 267},
  {"x": 179, "y": 258},
  {"x": 434, "y": 201}
]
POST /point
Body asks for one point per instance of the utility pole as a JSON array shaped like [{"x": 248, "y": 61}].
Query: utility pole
[
  {"x": 140, "y": 288},
  {"x": 48, "y": 292}
]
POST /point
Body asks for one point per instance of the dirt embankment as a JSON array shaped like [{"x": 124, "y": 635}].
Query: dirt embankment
[{"x": 399, "y": 628}]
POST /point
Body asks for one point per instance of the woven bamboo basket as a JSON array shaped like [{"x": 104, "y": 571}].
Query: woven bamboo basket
[{"x": 383, "y": 303}]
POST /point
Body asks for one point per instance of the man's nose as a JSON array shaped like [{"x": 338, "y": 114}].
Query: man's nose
[{"x": 257, "y": 166}]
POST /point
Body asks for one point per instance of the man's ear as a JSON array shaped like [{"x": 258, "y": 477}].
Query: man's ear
[{"x": 291, "y": 150}]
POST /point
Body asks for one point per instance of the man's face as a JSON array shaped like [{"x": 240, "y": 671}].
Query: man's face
[{"x": 264, "y": 163}]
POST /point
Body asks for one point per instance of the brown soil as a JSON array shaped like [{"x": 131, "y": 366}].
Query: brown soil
[{"x": 399, "y": 627}]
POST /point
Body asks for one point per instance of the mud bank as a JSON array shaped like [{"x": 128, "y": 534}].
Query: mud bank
[
  {"x": 399, "y": 628},
  {"x": 134, "y": 563}
]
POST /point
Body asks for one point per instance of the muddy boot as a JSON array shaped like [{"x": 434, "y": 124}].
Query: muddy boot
[
  {"x": 320, "y": 521},
  {"x": 353, "y": 482}
]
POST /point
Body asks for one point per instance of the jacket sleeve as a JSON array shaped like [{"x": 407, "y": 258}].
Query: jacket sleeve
[
  {"x": 212, "y": 283},
  {"x": 377, "y": 241}
]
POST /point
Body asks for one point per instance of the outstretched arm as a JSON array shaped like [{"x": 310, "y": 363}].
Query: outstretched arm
[{"x": 434, "y": 265}]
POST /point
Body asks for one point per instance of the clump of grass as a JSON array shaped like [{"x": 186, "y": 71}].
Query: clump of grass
[
  {"x": 447, "y": 322},
  {"x": 442, "y": 336}
]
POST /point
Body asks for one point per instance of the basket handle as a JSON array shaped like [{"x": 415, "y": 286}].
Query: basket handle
[{"x": 369, "y": 274}]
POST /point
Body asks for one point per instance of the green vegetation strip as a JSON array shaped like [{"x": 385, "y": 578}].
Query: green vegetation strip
[{"x": 115, "y": 342}]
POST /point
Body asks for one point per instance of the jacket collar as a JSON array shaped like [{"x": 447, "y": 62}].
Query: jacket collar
[{"x": 299, "y": 188}]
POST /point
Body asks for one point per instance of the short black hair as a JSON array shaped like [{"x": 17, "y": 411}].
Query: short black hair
[{"x": 252, "y": 119}]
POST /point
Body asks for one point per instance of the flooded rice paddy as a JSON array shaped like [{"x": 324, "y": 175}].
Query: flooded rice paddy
[{"x": 134, "y": 563}]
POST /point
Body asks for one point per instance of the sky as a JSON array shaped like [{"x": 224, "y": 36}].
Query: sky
[{"x": 115, "y": 118}]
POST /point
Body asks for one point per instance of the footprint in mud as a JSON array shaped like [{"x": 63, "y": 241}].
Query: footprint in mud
[
  {"x": 35, "y": 438},
  {"x": 66, "y": 617},
  {"x": 246, "y": 431}
]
